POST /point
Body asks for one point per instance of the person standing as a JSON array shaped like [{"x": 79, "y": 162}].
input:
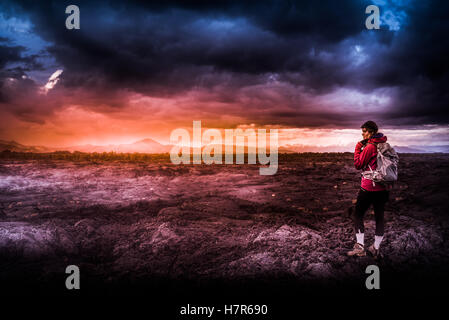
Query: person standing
[{"x": 370, "y": 193}]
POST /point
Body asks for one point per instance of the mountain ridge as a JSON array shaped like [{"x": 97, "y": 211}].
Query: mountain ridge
[{"x": 149, "y": 145}]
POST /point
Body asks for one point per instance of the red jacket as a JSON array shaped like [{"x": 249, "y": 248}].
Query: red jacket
[{"x": 367, "y": 155}]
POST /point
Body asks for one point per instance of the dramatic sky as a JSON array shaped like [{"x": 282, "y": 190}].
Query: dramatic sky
[{"x": 140, "y": 69}]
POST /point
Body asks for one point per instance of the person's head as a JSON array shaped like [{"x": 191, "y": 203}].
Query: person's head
[{"x": 369, "y": 128}]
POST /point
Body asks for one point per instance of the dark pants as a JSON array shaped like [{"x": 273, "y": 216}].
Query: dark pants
[{"x": 364, "y": 200}]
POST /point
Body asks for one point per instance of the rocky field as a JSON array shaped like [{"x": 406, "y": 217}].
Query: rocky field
[{"x": 135, "y": 226}]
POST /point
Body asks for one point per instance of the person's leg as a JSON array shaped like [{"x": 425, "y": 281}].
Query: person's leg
[
  {"x": 363, "y": 203},
  {"x": 379, "y": 202}
]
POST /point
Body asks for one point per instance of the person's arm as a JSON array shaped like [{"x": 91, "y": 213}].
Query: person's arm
[{"x": 362, "y": 158}]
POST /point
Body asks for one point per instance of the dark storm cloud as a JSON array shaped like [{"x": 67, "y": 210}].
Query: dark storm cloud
[
  {"x": 9, "y": 54},
  {"x": 16, "y": 74},
  {"x": 417, "y": 63},
  {"x": 164, "y": 48},
  {"x": 129, "y": 43},
  {"x": 13, "y": 54},
  {"x": 284, "y": 17}
]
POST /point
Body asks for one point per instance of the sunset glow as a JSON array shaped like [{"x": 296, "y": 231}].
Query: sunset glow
[{"x": 103, "y": 85}]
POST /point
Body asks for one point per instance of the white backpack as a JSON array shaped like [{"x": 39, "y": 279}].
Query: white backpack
[{"x": 387, "y": 165}]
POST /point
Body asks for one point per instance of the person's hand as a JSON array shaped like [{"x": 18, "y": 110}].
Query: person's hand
[
  {"x": 361, "y": 144},
  {"x": 364, "y": 141}
]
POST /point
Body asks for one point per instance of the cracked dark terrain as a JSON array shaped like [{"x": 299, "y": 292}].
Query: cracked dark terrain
[{"x": 133, "y": 225}]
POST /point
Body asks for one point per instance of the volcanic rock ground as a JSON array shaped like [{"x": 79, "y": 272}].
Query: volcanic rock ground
[{"x": 129, "y": 224}]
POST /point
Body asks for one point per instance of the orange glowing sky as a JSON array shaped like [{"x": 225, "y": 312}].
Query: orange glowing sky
[{"x": 166, "y": 64}]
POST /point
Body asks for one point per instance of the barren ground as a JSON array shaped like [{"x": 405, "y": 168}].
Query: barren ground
[{"x": 131, "y": 225}]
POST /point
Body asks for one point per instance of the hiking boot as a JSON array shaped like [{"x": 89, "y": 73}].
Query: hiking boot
[
  {"x": 358, "y": 251},
  {"x": 374, "y": 252}
]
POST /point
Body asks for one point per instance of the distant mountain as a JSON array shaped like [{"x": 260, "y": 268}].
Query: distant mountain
[
  {"x": 350, "y": 148},
  {"x": 308, "y": 148},
  {"x": 422, "y": 149},
  {"x": 17, "y": 147},
  {"x": 152, "y": 146},
  {"x": 404, "y": 149},
  {"x": 142, "y": 146},
  {"x": 440, "y": 148}
]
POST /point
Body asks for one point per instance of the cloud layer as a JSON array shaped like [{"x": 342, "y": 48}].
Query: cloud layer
[{"x": 288, "y": 63}]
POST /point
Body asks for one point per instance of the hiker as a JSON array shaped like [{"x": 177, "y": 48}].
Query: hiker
[{"x": 371, "y": 192}]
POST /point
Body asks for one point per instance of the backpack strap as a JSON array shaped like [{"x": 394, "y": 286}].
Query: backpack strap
[{"x": 374, "y": 155}]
